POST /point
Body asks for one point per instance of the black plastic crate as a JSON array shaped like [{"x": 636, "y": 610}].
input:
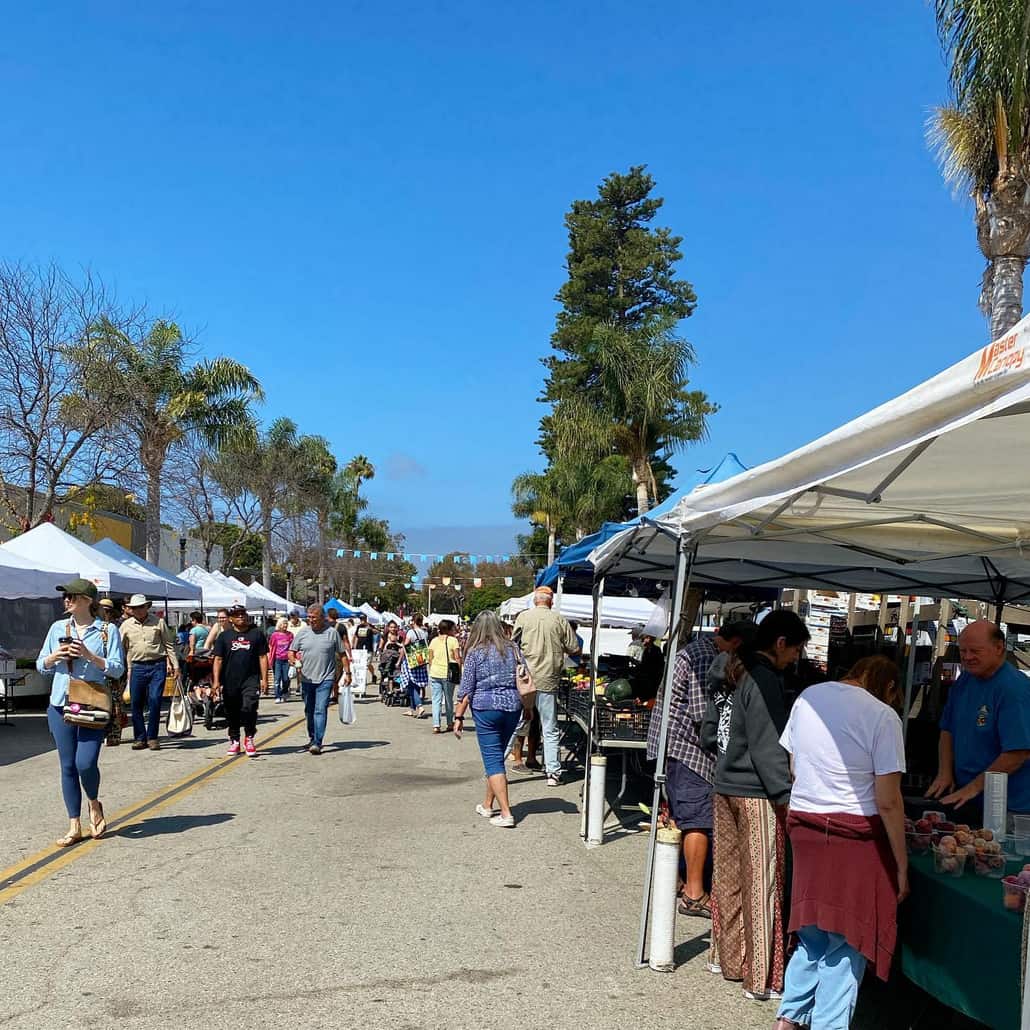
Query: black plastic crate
[{"x": 614, "y": 723}]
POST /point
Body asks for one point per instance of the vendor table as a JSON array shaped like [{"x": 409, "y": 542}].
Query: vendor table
[{"x": 960, "y": 945}]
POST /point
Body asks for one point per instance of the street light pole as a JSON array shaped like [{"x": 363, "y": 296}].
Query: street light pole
[
  {"x": 430, "y": 611},
  {"x": 289, "y": 580}
]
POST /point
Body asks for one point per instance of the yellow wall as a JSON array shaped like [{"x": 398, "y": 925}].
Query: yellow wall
[{"x": 119, "y": 530}]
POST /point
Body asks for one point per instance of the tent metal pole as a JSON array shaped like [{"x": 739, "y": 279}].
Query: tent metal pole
[
  {"x": 560, "y": 591},
  {"x": 595, "y": 650},
  {"x": 684, "y": 568},
  {"x": 910, "y": 671}
]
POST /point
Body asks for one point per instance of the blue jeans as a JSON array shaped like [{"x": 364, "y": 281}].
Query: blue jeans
[
  {"x": 316, "y": 707},
  {"x": 547, "y": 706},
  {"x": 282, "y": 677},
  {"x": 78, "y": 748},
  {"x": 821, "y": 984},
  {"x": 443, "y": 699},
  {"x": 147, "y": 687},
  {"x": 493, "y": 731}
]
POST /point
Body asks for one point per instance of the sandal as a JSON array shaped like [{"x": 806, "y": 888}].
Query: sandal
[
  {"x": 701, "y": 907},
  {"x": 97, "y": 827},
  {"x": 69, "y": 839},
  {"x": 436, "y": 729}
]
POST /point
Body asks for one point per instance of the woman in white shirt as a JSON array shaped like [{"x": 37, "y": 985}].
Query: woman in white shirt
[{"x": 846, "y": 827}]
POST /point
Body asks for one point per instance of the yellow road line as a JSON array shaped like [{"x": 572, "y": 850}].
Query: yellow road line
[{"x": 38, "y": 867}]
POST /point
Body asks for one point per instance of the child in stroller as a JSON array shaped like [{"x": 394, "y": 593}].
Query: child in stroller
[
  {"x": 207, "y": 705},
  {"x": 390, "y": 650}
]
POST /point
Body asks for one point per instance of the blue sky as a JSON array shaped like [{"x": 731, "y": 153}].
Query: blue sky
[{"x": 364, "y": 202}]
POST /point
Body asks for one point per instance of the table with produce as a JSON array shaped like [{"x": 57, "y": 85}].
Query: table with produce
[
  {"x": 621, "y": 719},
  {"x": 961, "y": 930}
]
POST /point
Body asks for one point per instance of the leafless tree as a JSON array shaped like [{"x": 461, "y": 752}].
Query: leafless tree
[
  {"x": 199, "y": 502},
  {"x": 51, "y": 436}
]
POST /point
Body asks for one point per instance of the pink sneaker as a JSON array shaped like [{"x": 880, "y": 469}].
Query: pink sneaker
[
  {"x": 234, "y": 747},
  {"x": 248, "y": 746}
]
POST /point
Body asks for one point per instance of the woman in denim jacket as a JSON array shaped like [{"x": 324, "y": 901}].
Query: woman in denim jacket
[{"x": 94, "y": 654}]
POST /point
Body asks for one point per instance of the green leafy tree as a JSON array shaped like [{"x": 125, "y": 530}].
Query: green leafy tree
[
  {"x": 164, "y": 399},
  {"x": 640, "y": 406},
  {"x": 261, "y": 465},
  {"x": 983, "y": 139},
  {"x": 621, "y": 273}
]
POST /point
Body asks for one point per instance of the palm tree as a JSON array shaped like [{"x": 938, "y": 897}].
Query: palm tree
[
  {"x": 345, "y": 520},
  {"x": 262, "y": 466},
  {"x": 164, "y": 400},
  {"x": 538, "y": 496},
  {"x": 638, "y": 407},
  {"x": 360, "y": 470},
  {"x": 983, "y": 139},
  {"x": 314, "y": 491}
]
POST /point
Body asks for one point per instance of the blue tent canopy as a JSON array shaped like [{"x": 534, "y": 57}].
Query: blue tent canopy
[
  {"x": 574, "y": 557},
  {"x": 340, "y": 608}
]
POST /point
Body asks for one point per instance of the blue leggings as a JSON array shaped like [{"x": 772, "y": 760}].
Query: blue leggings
[
  {"x": 493, "y": 731},
  {"x": 78, "y": 748}
]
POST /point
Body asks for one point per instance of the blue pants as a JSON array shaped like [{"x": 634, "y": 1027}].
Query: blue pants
[
  {"x": 493, "y": 731},
  {"x": 78, "y": 748},
  {"x": 316, "y": 707},
  {"x": 147, "y": 687},
  {"x": 822, "y": 980},
  {"x": 282, "y": 677},
  {"x": 443, "y": 698}
]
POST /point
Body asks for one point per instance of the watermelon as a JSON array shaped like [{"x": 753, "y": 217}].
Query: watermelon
[{"x": 619, "y": 690}]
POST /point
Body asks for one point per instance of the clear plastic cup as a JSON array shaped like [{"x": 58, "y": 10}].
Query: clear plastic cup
[{"x": 1021, "y": 836}]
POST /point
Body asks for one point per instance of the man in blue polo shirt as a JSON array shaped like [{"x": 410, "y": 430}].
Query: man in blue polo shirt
[{"x": 986, "y": 723}]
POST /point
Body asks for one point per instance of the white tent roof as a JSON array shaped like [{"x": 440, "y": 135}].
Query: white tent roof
[
  {"x": 217, "y": 593},
  {"x": 252, "y": 599},
  {"x": 48, "y": 546},
  {"x": 619, "y": 612},
  {"x": 20, "y": 577},
  {"x": 174, "y": 587},
  {"x": 373, "y": 616},
  {"x": 928, "y": 493},
  {"x": 270, "y": 598}
]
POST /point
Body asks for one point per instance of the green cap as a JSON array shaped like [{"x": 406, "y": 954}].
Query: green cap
[{"x": 80, "y": 586}]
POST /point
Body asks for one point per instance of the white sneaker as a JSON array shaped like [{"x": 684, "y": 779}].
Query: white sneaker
[
  {"x": 763, "y": 995},
  {"x": 505, "y": 822},
  {"x": 278, "y": 700},
  {"x": 486, "y": 813},
  {"x": 714, "y": 967}
]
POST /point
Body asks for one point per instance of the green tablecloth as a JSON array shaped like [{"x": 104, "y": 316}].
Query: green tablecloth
[{"x": 959, "y": 944}]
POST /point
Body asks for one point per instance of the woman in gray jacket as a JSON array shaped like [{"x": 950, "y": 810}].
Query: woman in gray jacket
[{"x": 752, "y": 788}]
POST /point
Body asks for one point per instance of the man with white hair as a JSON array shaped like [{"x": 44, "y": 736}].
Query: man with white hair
[
  {"x": 985, "y": 726},
  {"x": 546, "y": 638}
]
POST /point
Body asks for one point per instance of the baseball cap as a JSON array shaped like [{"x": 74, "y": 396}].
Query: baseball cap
[
  {"x": 238, "y": 609},
  {"x": 80, "y": 586},
  {"x": 107, "y": 603}
]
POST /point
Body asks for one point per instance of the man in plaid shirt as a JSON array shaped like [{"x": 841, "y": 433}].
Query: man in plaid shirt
[{"x": 689, "y": 769}]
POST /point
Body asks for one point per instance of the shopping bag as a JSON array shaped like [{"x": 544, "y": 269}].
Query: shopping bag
[
  {"x": 179, "y": 721},
  {"x": 346, "y": 707}
]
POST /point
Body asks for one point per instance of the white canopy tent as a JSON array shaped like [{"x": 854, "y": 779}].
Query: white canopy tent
[
  {"x": 216, "y": 592},
  {"x": 21, "y": 578},
  {"x": 272, "y": 598},
  {"x": 47, "y": 546},
  {"x": 616, "y": 612},
  {"x": 254, "y": 600},
  {"x": 174, "y": 586},
  {"x": 926, "y": 494},
  {"x": 373, "y": 616}
]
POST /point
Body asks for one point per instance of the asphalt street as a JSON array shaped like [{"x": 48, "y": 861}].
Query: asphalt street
[{"x": 354, "y": 889}]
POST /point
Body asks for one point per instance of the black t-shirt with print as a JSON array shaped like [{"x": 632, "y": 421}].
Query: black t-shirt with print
[
  {"x": 240, "y": 654},
  {"x": 364, "y": 638}
]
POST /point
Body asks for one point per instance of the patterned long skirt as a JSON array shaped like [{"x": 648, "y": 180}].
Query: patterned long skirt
[{"x": 748, "y": 938}]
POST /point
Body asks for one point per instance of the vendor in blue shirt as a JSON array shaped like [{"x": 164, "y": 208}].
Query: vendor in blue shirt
[{"x": 986, "y": 723}]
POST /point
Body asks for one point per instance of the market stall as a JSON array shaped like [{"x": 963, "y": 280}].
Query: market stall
[
  {"x": 920, "y": 496},
  {"x": 174, "y": 587}
]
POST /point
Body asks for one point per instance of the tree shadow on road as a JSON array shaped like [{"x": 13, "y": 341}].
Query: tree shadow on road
[{"x": 163, "y": 824}]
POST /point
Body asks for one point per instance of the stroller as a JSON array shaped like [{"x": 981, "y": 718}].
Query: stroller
[
  {"x": 391, "y": 691},
  {"x": 197, "y": 683}
]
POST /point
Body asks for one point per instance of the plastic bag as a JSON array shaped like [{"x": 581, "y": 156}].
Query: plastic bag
[{"x": 346, "y": 707}]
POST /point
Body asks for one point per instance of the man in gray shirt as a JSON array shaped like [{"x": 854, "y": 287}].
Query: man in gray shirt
[{"x": 318, "y": 653}]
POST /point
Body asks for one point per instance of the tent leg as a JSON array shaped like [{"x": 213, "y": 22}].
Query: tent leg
[
  {"x": 684, "y": 568},
  {"x": 910, "y": 671},
  {"x": 595, "y": 650}
]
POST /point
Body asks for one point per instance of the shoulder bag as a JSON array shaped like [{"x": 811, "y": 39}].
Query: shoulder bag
[
  {"x": 524, "y": 678},
  {"x": 87, "y": 704},
  {"x": 453, "y": 668}
]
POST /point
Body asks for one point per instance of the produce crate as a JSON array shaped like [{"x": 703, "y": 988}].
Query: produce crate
[{"x": 622, "y": 723}]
